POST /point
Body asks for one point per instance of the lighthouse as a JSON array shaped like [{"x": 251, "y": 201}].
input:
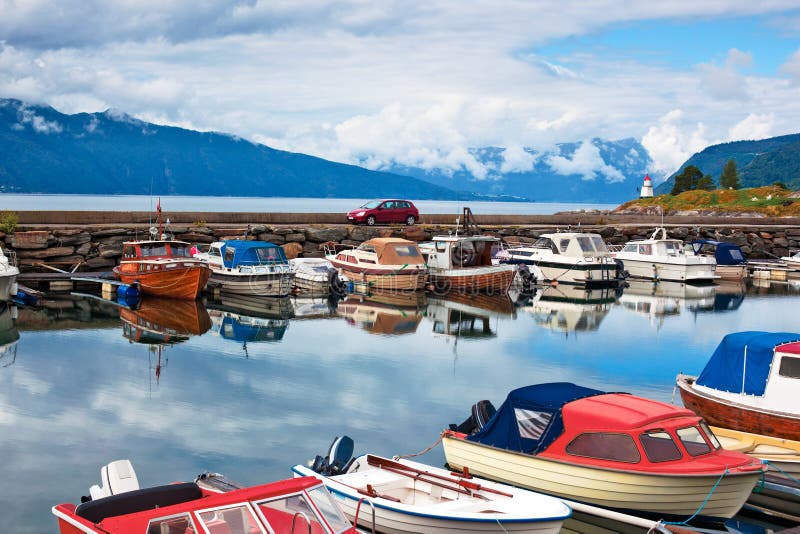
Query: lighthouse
[{"x": 647, "y": 187}]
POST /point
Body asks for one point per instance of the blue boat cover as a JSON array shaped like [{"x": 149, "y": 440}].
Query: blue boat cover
[
  {"x": 530, "y": 418},
  {"x": 251, "y": 253},
  {"x": 236, "y": 331},
  {"x": 729, "y": 369},
  {"x": 725, "y": 253}
]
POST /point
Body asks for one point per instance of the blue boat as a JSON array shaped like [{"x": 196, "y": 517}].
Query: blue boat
[
  {"x": 249, "y": 268},
  {"x": 731, "y": 263}
]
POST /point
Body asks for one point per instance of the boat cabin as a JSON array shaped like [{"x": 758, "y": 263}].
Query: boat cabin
[
  {"x": 155, "y": 250},
  {"x": 724, "y": 253},
  {"x": 293, "y": 505},
  {"x": 383, "y": 251},
  {"x": 658, "y": 245},
  {"x": 570, "y": 244},
  {"x": 570, "y": 423},
  {"x": 246, "y": 256},
  {"x": 457, "y": 252}
]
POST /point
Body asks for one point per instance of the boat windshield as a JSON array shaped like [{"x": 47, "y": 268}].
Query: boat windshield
[
  {"x": 269, "y": 254},
  {"x": 673, "y": 248},
  {"x": 585, "y": 243},
  {"x": 238, "y": 519},
  {"x": 159, "y": 249},
  {"x": 180, "y": 250},
  {"x": 329, "y": 509},
  {"x": 710, "y": 435},
  {"x": 546, "y": 243},
  {"x": 372, "y": 204},
  {"x": 599, "y": 245},
  {"x": 659, "y": 446},
  {"x": 280, "y": 513},
  {"x": 693, "y": 440}
]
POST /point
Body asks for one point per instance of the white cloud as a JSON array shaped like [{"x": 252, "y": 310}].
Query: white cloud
[
  {"x": 586, "y": 162},
  {"x": 792, "y": 68},
  {"x": 753, "y": 126},
  {"x": 725, "y": 82},
  {"x": 517, "y": 159},
  {"x": 672, "y": 141},
  {"x": 37, "y": 122}
]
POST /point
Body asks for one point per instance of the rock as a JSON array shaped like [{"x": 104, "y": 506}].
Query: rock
[
  {"x": 194, "y": 237},
  {"x": 292, "y": 250},
  {"x": 363, "y": 233},
  {"x": 310, "y": 248},
  {"x": 258, "y": 228},
  {"x": 77, "y": 238},
  {"x": 765, "y": 235},
  {"x": 29, "y": 240},
  {"x": 282, "y": 230},
  {"x": 109, "y": 251},
  {"x": 781, "y": 242},
  {"x": 201, "y": 230},
  {"x": 415, "y": 233},
  {"x": 176, "y": 229},
  {"x": 679, "y": 233},
  {"x": 272, "y": 238},
  {"x": 83, "y": 249},
  {"x": 100, "y": 263},
  {"x": 230, "y": 233},
  {"x": 296, "y": 237},
  {"x": 116, "y": 239},
  {"x": 46, "y": 253},
  {"x": 67, "y": 260},
  {"x": 64, "y": 232},
  {"x": 320, "y": 235},
  {"x": 105, "y": 232},
  {"x": 780, "y": 252},
  {"x": 607, "y": 231}
]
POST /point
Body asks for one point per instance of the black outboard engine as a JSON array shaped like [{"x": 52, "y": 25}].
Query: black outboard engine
[
  {"x": 338, "y": 459},
  {"x": 527, "y": 277},
  {"x": 620, "y": 274},
  {"x": 335, "y": 283},
  {"x": 481, "y": 412}
]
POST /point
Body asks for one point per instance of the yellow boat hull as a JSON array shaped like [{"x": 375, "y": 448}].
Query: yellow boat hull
[{"x": 783, "y": 454}]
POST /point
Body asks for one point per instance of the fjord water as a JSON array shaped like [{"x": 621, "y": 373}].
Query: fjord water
[{"x": 250, "y": 394}]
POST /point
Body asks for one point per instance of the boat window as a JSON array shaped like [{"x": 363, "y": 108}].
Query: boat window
[
  {"x": 563, "y": 245},
  {"x": 182, "y": 523},
  {"x": 599, "y": 246},
  {"x": 441, "y": 246},
  {"x": 693, "y": 440},
  {"x": 790, "y": 367},
  {"x": 646, "y": 249},
  {"x": 180, "y": 251},
  {"x": 366, "y": 248},
  {"x": 279, "y": 513},
  {"x": 516, "y": 252},
  {"x": 214, "y": 251},
  {"x": 154, "y": 250},
  {"x": 631, "y": 247},
  {"x": 329, "y": 509},
  {"x": 659, "y": 446},
  {"x": 406, "y": 250},
  {"x": 233, "y": 520},
  {"x": 531, "y": 423},
  {"x": 672, "y": 248},
  {"x": 229, "y": 252},
  {"x": 129, "y": 252},
  {"x": 710, "y": 435},
  {"x": 605, "y": 446},
  {"x": 269, "y": 255},
  {"x": 544, "y": 242},
  {"x": 585, "y": 244}
]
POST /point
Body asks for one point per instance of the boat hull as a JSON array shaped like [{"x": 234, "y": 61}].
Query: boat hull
[
  {"x": 392, "y": 281},
  {"x": 177, "y": 283},
  {"x": 726, "y": 414},
  {"x": 660, "y": 494},
  {"x": 732, "y": 272},
  {"x": 494, "y": 280},
  {"x": 8, "y": 284},
  {"x": 586, "y": 274},
  {"x": 313, "y": 285},
  {"x": 264, "y": 285},
  {"x": 676, "y": 272}
]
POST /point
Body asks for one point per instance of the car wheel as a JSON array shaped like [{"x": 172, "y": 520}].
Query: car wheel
[
  {"x": 410, "y": 220},
  {"x": 371, "y": 220}
]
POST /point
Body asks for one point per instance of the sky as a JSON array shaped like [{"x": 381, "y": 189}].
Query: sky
[{"x": 419, "y": 83}]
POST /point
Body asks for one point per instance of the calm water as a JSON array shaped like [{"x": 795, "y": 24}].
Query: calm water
[
  {"x": 271, "y": 204},
  {"x": 249, "y": 394}
]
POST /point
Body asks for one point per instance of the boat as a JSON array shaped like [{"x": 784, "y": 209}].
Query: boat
[
  {"x": 247, "y": 319},
  {"x": 614, "y": 450},
  {"x": 392, "y": 317},
  {"x": 121, "y": 507},
  {"x": 793, "y": 261},
  {"x": 8, "y": 275},
  {"x": 254, "y": 268},
  {"x": 464, "y": 264},
  {"x": 662, "y": 258},
  {"x": 568, "y": 257},
  {"x": 750, "y": 384},
  {"x": 162, "y": 268},
  {"x": 731, "y": 263},
  {"x": 409, "y": 497},
  {"x": 387, "y": 263},
  {"x": 317, "y": 277}
]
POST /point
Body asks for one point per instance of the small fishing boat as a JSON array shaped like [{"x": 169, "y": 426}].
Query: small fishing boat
[
  {"x": 782, "y": 455},
  {"x": 409, "y": 497},
  {"x": 662, "y": 258},
  {"x": 162, "y": 268},
  {"x": 568, "y": 257},
  {"x": 750, "y": 384},
  {"x": 613, "y": 450},
  {"x": 464, "y": 264},
  {"x": 317, "y": 277},
  {"x": 8, "y": 275},
  {"x": 121, "y": 507},
  {"x": 383, "y": 263},
  {"x": 253, "y": 268},
  {"x": 731, "y": 263}
]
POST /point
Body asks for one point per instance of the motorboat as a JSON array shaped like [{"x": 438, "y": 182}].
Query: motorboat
[
  {"x": 162, "y": 268},
  {"x": 382, "y": 263},
  {"x": 464, "y": 264},
  {"x": 793, "y": 261},
  {"x": 731, "y": 263},
  {"x": 317, "y": 277},
  {"x": 8, "y": 275},
  {"x": 614, "y": 450},
  {"x": 662, "y": 258},
  {"x": 384, "y": 317},
  {"x": 254, "y": 268},
  {"x": 749, "y": 384},
  {"x": 409, "y": 497},
  {"x": 120, "y": 506},
  {"x": 568, "y": 257}
]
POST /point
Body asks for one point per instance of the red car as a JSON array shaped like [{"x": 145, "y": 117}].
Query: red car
[{"x": 384, "y": 211}]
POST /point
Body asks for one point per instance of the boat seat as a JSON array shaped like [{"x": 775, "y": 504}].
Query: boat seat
[
  {"x": 116, "y": 477},
  {"x": 138, "y": 501}
]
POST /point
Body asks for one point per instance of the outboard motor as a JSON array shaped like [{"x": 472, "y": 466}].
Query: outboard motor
[
  {"x": 116, "y": 477},
  {"x": 338, "y": 459},
  {"x": 621, "y": 273},
  {"x": 335, "y": 283},
  {"x": 528, "y": 278},
  {"x": 481, "y": 412}
]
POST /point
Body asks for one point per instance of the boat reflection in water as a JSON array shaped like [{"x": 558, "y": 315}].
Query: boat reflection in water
[
  {"x": 384, "y": 312},
  {"x": 247, "y": 319},
  {"x": 459, "y": 315},
  {"x": 569, "y": 308},
  {"x": 659, "y": 300},
  {"x": 9, "y": 335},
  {"x": 307, "y": 307}
]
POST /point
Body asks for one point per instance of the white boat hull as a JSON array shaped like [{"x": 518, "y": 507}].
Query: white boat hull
[
  {"x": 264, "y": 285},
  {"x": 669, "y": 271},
  {"x": 8, "y": 284}
]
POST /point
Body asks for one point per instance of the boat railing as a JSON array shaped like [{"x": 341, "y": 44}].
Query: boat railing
[
  {"x": 11, "y": 255},
  {"x": 305, "y": 517},
  {"x": 358, "y": 509},
  {"x": 613, "y": 249},
  {"x": 331, "y": 249}
]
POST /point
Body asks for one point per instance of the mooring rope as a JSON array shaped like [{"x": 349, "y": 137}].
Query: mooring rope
[
  {"x": 703, "y": 504},
  {"x": 420, "y": 453}
]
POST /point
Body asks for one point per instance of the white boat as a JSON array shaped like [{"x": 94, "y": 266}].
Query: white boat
[
  {"x": 464, "y": 264},
  {"x": 254, "y": 268},
  {"x": 793, "y": 261},
  {"x": 316, "y": 276},
  {"x": 8, "y": 275},
  {"x": 662, "y": 258},
  {"x": 568, "y": 257},
  {"x": 384, "y": 263},
  {"x": 409, "y": 497}
]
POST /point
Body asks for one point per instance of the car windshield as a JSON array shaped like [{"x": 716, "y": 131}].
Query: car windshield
[{"x": 371, "y": 204}]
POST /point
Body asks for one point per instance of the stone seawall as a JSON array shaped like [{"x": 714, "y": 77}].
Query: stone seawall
[{"x": 98, "y": 247}]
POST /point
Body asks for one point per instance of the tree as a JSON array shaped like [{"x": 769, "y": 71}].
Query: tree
[
  {"x": 706, "y": 183},
  {"x": 687, "y": 180},
  {"x": 730, "y": 176}
]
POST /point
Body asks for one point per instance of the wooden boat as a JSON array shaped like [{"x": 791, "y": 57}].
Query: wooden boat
[
  {"x": 383, "y": 263},
  {"x": 409, "y": 497},
  {"x": 255, "y": 268},
  {"x": 283, "y": 507},
  {"x": 750, "y": 384},
  {"x": 731, "y": 263},
  {"x": 568, "y": 257},
  {"x": 613, "y": 450},
  {"x": 316, "y": 276},
  {"x": 162, "y": 269},
  {"x": 464, "y": 264},
  {"x": 662, "y": 258}
]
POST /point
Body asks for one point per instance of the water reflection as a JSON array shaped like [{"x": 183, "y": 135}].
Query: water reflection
[
  {"x": 385, "y": 313},
  {"x": 164, "y": 321},
  {"x": 8, "y": 336},
  {"x": 568, "y": 308},
  {"x": 246, "y": 319},
  {"x": 464, "y": 316}
]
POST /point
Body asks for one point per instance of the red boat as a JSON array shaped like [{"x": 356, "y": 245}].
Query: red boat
[
  {"x": 284, "y": 507},
  {"x": 163, "y": 269},
  {"x": 750, "y": 384}
]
